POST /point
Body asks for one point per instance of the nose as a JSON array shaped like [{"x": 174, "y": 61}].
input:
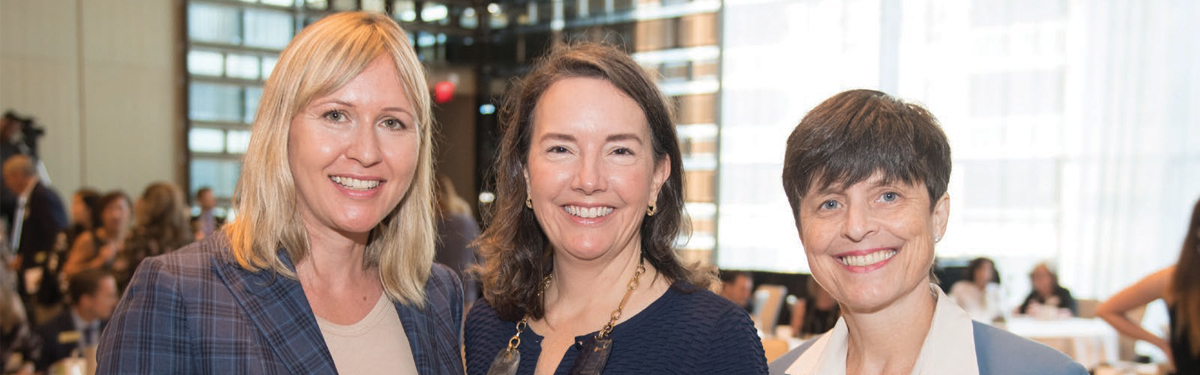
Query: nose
[
  {"x": 590, "y": 177},
  {"x": 860, "y": 222},
  {"x": 363, "y": 146}
]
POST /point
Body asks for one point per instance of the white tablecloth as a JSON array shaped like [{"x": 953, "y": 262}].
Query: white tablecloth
[{"x": 1090, "y": 342}]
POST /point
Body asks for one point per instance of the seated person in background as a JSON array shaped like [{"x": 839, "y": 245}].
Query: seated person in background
[
  {"x": 979, "y": 293},
  {"x": 99, "y": 248},
  {"x": 19, "y": 347},
  {"x": 207, "y": 221},
  {"x": 93, "y": 295},
  {"x": 737, "y": 286},
  {"x": 1048, "y": 298},
  {"x": 816, "y": 313}
]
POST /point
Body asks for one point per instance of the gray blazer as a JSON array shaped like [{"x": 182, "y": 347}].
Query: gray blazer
[{"x": 997, "y": 351}]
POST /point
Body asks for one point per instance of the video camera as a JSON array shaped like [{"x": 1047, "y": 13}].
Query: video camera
[{"x": 27, "y": 132}]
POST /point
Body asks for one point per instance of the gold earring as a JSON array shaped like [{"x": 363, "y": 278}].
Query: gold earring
[
  {"x": 652, "y": 209},
  {"x": 529, "y": 202}
]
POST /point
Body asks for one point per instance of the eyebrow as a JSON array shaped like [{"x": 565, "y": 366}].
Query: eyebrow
[
  {"x": 348, "y": 104},
  {"x": 611, "y": 138},
  {"x": 624, "y": 137}
]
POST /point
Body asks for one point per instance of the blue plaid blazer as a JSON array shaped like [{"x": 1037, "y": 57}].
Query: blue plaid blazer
[{"x": 196, "y": 311}]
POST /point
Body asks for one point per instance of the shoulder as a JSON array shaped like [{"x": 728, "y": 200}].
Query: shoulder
[
  {"x": 781, "y": 364},
  {"x": 481, "y": 316},
  {"x": 59, "y": 323},
  {"x": 444, "y": 281},
  {"x": 443, "y": 287},
  {"x": 1001, "y": 352}
]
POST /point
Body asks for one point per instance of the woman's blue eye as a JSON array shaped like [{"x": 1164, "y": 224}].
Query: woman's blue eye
[
  {"x": 890, "y": 197},
  {"x": 829, "y": 205}
]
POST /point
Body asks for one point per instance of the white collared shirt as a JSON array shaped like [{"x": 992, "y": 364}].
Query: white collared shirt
[{"x": 949, "y": 347}]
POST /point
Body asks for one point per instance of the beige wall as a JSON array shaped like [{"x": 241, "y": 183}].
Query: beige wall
[{"x": 103, "y": 78}]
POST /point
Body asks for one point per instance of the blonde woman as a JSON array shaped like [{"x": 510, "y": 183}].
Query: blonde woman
[{"x": 328, "y": 268}]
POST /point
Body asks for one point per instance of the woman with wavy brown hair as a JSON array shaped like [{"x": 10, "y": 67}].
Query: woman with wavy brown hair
[
  {"x": 1179, "y": 287},
  {"x": 160, "y": 225},
  {"x": 581, "y": 276}
]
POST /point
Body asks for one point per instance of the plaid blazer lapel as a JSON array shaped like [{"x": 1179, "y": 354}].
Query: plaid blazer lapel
[
  {"x": 416, "y": 326},
  {"x": 278, "y": 308}
]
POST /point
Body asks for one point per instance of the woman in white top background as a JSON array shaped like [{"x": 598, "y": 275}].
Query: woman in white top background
[{"x": 980, "y": 292}]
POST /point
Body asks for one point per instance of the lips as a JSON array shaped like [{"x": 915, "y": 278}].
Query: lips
[{"x": 355, "y": 183}]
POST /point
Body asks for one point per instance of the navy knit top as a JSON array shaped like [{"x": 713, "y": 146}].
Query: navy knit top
[{"x": 682, "y": 332}]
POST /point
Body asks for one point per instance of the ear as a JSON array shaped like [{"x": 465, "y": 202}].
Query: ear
[
  {"x": 528, "y": 186},
  {"x": 662, "y": 170},
  {"x": 941, "y": 215}
]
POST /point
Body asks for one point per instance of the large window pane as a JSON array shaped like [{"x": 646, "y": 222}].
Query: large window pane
[
  {"x": 220, "y": 175},
  {"x": 236, "y": 141},
  {"x": 215, "y": 102},
  {"x": 242, "y": 66},
  {"x": 206, "y": 140},
  {"x": 214, "y": 24},
  {"x": 268, "y": 29},
  {"x": 205, "y": 63},
  {"x": 253, "y": 94}
]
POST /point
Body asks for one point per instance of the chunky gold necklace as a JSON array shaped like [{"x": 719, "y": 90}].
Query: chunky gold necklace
[{"x": 594, "y": 354}]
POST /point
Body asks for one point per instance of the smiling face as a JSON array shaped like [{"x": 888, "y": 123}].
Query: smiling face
[
  {"x": 591, "y": 171},
  {"x": 353, "y": 153},
  {"x": 870, "y": 244}
]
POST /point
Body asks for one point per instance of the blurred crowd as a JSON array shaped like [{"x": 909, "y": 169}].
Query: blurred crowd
[{"x": 68, "y": 258}]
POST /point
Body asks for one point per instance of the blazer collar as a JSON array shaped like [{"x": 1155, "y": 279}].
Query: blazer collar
[{"x": 278, "y": 308}]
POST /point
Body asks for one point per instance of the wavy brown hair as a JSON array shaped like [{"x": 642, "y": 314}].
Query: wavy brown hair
[
  {"x": 518, "y": 252},
  {"x": 1185, "y": 286}
]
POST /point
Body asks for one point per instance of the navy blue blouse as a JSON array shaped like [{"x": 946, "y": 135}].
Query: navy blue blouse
[{"x": 682, "y": 332}]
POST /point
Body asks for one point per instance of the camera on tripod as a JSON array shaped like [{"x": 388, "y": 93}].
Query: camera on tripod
[{"x": 20, "y": 132}]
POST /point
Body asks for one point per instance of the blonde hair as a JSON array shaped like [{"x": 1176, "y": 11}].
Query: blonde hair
[{"x": 320, "y": 60}]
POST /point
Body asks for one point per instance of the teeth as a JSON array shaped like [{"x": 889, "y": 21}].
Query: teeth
[
  {"x": 355, "y": 184},
  {"x": 868, "y": 259},
  {"x": 589, "y": 212}
]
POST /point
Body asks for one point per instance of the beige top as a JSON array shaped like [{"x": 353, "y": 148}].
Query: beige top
[
  {"x": 375, "y": 345},
  {"x": 949, "y": 346}
]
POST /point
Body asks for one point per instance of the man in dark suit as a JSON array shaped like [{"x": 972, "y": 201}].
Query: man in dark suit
[
  {"x": 93, "y": 297},
  {"x": 207, "y": 221},
  {"x": 36, "y": 223}
]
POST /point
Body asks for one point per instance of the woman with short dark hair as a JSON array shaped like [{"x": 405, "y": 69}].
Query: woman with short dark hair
[{"x": 866, "y": 175}]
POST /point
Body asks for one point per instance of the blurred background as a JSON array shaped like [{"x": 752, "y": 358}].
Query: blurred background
[{"x": 1074, "y": 124}]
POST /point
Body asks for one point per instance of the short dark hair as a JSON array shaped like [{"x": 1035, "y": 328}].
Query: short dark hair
[
  {"x": 105, "y": 200},
  {"x": 202, "y": 190},
  {"x": 514, "y": 243},
  {"x": 855, "y": 134},
  {"x": 978, "y": 263},
  {"x": 86, "y": 282},
  {"x": 728, "y": 277}
]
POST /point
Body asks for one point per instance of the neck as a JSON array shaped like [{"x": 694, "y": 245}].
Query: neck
[
  {"x": 889, "y": 341},
  {"x": 595, "y": 284},
  {"x": 982, "y": 284},
  {"x": 84, "y": 315},
  {"x": 333, "y": 259}
]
